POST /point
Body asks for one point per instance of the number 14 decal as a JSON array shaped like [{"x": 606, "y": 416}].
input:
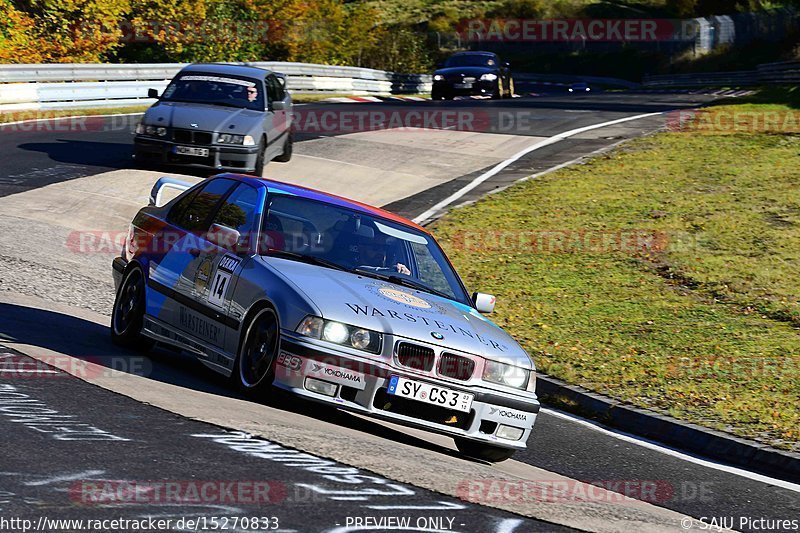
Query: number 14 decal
[{"x": 222, "y": 278}]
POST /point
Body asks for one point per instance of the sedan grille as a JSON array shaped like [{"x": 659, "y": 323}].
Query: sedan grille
[
  {"x": 191, "y": 137},
  {"x": 456, "y": 367},
  {"x": 414, "y": 356}
]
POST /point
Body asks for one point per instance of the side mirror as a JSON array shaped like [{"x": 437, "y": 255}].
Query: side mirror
[
  {"x": 223, "y": 236},
  {"x": 484, "y": 303},
  {"x": 152, "y": 93},
  {"x": 278, "y": 105}
]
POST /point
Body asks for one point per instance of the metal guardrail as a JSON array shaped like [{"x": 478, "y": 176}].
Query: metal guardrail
[
  {"x": 781, "y": 73},
  {"x": 62, "y": 86}
]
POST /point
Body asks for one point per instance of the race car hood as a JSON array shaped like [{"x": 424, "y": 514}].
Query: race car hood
[
  {"x": 467, "y": 71},
  {"x": 202, "y": 117},
  {"x": 400, "y": 311}
]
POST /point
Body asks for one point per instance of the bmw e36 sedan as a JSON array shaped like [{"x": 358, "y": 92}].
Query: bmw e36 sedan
[{"x": 277, "y": 285}]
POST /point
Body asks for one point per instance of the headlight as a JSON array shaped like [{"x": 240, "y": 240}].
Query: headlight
[
  {"x": 140, "y": 129},
  {"x": 504, "y": 374},
  {"x": 438, "y": 77},
  {"x": 161, "y": 132},
  {"x": 489, "y": 77},
  {"x": 229, "y": 138},
  {"x": 338, "y": 333},
  {"x": 249, "y": 141},
  {"x": 150, "y": 130}
]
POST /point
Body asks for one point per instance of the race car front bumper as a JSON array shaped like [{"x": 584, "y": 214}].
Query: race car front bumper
[
  {"x": 226, "y": 158},
  {"x": 361, "y": 383}
]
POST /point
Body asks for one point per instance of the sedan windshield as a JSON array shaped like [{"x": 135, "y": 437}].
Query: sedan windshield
[
  {"x": 327, "y": 235},
  {"x": 471, "y": 60},
  {"x": 215, "y": 90}
]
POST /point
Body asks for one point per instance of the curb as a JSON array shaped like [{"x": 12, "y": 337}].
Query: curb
[
  {"x": 362, "y": 99},
  {"x": 664, "y": 429}
]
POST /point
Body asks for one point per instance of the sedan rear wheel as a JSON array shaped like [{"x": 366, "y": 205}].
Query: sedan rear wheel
[
  {"x": 254, "y": 370},
  {"x": 127, "y": 316}
]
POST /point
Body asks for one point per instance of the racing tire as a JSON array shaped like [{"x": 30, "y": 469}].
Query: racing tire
[
  {"x": 127, "y": 316},
  {"x": 262, "y": 150},
  {"x": 254, "y": 370},
  {"x": 485, "y": 452},
  {"x": 510, "y": 93},
  {"x": 288, "y": 145}
]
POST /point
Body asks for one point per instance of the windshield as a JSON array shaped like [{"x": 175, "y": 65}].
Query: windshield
[
  {"x": 471, "y": 60},
  {"x": 215, "y": 90},
  {"x": 303, "y": 229}
]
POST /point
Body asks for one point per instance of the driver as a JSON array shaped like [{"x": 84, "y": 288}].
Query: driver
[{"x": 374, "y": 252}]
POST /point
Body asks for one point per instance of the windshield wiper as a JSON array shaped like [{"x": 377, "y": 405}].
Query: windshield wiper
[
  {"x": 310, "y": 259},
  {"x": 399, "y": 280}
]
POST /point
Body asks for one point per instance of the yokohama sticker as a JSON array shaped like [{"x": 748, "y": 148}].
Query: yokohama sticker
[{"x": 334, "y": 374}]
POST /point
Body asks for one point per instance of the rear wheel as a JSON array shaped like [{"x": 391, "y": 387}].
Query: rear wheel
[
  {"x": 485, "y": 452},
  {"x": 127, "y": 316},
  {"x": 253, "y": 371}
]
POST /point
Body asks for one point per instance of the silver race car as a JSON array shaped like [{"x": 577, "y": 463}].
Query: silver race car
[{"x": 278, "y": 285}]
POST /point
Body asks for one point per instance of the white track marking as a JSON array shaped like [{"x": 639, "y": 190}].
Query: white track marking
[
  {"x": 71, "y": 477},
  {"x": 502, "y": 165},
  {"x": 651, "y": 445},
  {"x": 508, "y": 525},
  {"x": 25, "y": 371},
  {"x": 440, "y": 506}
]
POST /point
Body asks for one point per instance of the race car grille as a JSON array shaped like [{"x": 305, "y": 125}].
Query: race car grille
[
  {"x": 191, "y": 136},
  {"x": 422, "y": 411},
  {"x": 416, "y": 357},
  {"x": 456, "y": 367}
]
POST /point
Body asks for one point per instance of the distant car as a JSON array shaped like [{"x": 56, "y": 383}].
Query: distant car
[
  {"x": 579, "y": 87},
  {"x": 328, "y": 299},
  {"x": 472, "y": 74},
  {"x": 220, "y": 117}
]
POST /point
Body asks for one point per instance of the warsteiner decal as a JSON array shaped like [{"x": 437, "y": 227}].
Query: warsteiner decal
[
  {"x": 367, "y": 310},
  {"x": 198, "y": 326}
]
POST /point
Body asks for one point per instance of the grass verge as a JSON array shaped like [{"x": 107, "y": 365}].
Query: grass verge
[{"x": 665, "y": 273}]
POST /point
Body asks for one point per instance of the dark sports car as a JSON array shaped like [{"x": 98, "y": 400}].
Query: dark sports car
[{"x": 472, "y": 74}]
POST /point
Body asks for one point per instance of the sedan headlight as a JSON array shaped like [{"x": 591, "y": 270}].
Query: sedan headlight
[
  {"x": 438, "y": 77},
  {"x": 504, "y": 374},
  {"x": 229, "y": 138},
  {"x": 338, "y": 333},
  {"x": 489, "y": 77},
  {"x": 140, "y": 129}
]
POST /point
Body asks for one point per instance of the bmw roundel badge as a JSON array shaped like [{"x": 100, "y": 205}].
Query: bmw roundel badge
[{"x": 436, "y": 335}]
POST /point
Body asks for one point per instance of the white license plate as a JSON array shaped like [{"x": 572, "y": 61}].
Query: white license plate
[
  {"x": 433, "y": 394},
  {"x": 462, "y": 85},
  {"x": 191, "y": 150}
]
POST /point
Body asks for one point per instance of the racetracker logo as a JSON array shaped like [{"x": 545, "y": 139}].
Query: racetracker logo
[
  {"x": 568, "y": 491},
  {"x": 339, "y": 122},
  {"x": 576, "y": 30},
  {"x": 725, "y": 121},
  {"x": 216, "y": 492},
  {"x": 564, "y": 241}
]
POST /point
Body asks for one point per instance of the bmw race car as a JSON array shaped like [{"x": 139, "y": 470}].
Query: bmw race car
[
  {"x": 472, "y": 74},
  {"x": 277, "y": 285}
]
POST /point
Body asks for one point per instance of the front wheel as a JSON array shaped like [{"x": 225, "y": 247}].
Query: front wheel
[
  {"x": 262, "y": 150},
  {"x": 288, "y": 145},
  {"x": 254, "y": 371},
  {"x": 485, "y": 452},
  {"x": 127, "y": 316}
]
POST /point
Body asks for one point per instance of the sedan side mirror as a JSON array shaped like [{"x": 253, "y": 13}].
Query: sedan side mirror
[
  {"x": 223, "y": 236},
  {"x": 484, "y": 303},
  {"x": 278, "y": 105},
  {"x": 152, "y": 93}
]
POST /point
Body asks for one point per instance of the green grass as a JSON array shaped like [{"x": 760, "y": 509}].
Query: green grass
[
  {"x": 14, "y": 116},
  {"x": 704, "y": 324}
]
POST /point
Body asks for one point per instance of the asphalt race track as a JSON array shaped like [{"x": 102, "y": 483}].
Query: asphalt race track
[{"x": 134, "y": 423}]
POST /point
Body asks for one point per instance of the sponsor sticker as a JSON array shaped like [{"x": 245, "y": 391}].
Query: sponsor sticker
[
  {"x": 504, "y": 413},
  {"x": 404, "y": 298},
  {"x": 290, "y": 361},
  {"x": 335, "y": 374}
]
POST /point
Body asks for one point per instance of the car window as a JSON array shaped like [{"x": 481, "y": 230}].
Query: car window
[
  {"x": 275, "y": 90},
  {"x": 428, "y": 269},
  {"x": 192, "y": 212},
  {"x": 471, "y": 60},
  {"x": 213, "y": 89},
  {"x": 238, "y": 211}
]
